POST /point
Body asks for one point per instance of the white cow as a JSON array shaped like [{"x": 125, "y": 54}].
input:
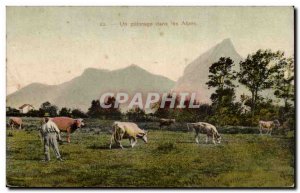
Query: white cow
[
  {"x": 127, "y": 130},
  {"x": 268, "y": 126},
  {"x": 210, "y": 131}
]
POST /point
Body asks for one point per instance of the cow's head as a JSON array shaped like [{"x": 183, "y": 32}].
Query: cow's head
[
  {"x": 143, "y": 136},
  {"x": 276, "y": 123},
  {"x": 218, "y": 138},
  {"x": 78, "y": 123}
]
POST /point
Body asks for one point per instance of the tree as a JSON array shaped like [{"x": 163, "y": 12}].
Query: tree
[
  {"x": 221, "y": 77},
  {"x": 48, "y": 109},
  {"x": 35, "y": 113},
  {"x": 136, "y": 114},
  {"x": 284, "y": 81},
  {"x": 10, "y": 111},
  {"x": 95, "y": 110},
  {"x": 112, "y": 112},
  {"x": 77, "y": 113},
  {"x": 65, "y": 112},
  {"x": 166, "y": 111},
  {"x": 256, "y": 70}
]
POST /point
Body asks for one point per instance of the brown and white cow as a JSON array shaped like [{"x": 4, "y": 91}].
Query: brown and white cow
[
  {"x": 209, "y": 129},
  {"x": 67, "y": 124},
  {"x": 268, "y": 126},
  {"x": 165, "y": 122},
  {"x": 15, "y": 121},
  {"x": 127, "y": 130}
]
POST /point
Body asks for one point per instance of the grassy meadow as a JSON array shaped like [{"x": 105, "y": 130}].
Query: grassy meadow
[{"x": 170, "y": 159}]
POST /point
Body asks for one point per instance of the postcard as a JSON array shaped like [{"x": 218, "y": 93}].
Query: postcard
[{"x": 150, "y": 97}]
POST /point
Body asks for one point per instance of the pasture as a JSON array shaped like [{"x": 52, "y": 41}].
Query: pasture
[{"x": 170, "y": 159}]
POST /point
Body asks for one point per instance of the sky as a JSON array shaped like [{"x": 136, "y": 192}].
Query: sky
[{"x": 52, "y": 45}]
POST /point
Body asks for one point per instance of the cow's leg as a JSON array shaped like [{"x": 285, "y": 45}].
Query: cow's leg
[
  {"x": 134, "y": 142},
  {"x": 68, "y": 135},
  {"x": 213, "y": 139},
  {"x": 206, "y": 139},
  {"x": 118, "y": 142},
  {"x": 120, "y": 145},
  {"x": 260, "y": 130},
  {"x": 196, "y": 138},
  {"x": 111, "y": 141},
  {"x": 270, "y": 133},
  {"x": 20, "y": 126}
]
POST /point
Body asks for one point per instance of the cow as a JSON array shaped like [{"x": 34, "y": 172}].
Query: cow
[
  {"x": 67, "y": 124},
  {"x": 165, "y": 122},
  {"x": 15, "y": 121},
  {"x": 127, "y": 130},
  {"x": 268, "y": 126},
  {"x": 209, "y": 129}
]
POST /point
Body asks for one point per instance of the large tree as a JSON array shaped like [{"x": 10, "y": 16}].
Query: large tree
[
  {"x": 284, "y": 81},
  {"x": 47, "y": 109},
  {"x": 256, "y": 72},
  {"x": 221, "y": 78},
  {"x": 65, "y": 112},
  {"x": 96, "y": 110}
]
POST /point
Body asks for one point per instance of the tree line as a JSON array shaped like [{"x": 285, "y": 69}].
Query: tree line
[{"x": 262, "y": 71}]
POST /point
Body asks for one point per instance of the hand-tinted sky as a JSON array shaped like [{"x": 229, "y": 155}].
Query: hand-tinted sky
[{"x": 52, "y": 45}]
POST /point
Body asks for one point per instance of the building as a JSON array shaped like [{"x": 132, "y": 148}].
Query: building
[{"x": 25, "y": 108}]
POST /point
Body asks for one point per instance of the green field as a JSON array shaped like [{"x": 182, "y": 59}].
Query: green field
[{"x": 170, "y": 159}]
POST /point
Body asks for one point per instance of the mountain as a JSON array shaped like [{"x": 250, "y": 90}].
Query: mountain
[
  {"x": 196, "y": 73},
  {"x": 80, "y": 91}
]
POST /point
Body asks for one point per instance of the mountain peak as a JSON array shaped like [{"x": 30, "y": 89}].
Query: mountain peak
[
  {"x": 226, "y": 41},
  {"x": 225, "y": 44},
  {"x": 196, "y": 73},
  {"x": 133, "y": 66}
]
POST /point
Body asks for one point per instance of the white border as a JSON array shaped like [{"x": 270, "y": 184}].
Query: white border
[{"x": 5, "y": 3}]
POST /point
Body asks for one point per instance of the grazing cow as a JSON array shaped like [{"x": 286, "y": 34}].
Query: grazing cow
[
  {"x": 67, "y": 124},
  {"x": 268, "y": 126},
  {"x": 15, "y": 121},
  {"x": 208, "y": 129},
  {"x": 165, "y": 122},
  {"x": 127, "y": 130}
]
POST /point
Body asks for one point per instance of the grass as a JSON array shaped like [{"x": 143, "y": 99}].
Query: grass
[{"x": 170, "y": 159}]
